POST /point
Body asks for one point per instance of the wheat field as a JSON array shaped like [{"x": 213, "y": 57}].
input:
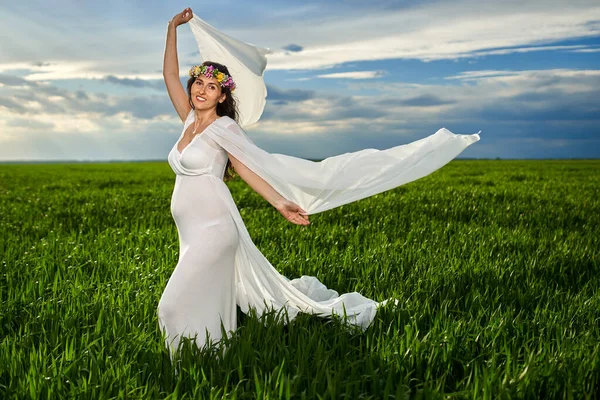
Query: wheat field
[{"x": 495, "y": 265}]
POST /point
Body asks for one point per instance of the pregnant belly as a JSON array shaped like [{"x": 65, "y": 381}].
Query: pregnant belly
[{"x": 195, "y": 205}]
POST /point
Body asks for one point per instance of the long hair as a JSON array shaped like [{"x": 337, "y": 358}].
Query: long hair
[{"x": 226, "y": 108}]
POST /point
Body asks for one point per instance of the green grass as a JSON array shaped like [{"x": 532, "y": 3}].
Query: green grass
[{"x": 495, "y": 265}]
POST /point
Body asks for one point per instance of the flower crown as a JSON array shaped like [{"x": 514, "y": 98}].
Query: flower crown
[{"x": 211, "y": 72}]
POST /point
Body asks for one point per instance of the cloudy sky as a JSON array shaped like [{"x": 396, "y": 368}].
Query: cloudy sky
[{"x": 82, "y": 80}]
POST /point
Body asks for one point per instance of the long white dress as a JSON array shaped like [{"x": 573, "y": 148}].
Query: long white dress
[{"x": 219, "y": 266}]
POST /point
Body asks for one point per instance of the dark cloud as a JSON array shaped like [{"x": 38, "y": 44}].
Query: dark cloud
[
  {"x": 424, "y": 100},
  {"x": 29, "y": 123},
  {"x": 146, "y": 107},
  {"x": 136, "y": 83},
  {"x": 41, "y": 95},
  {"x": 41, "y": 64},
  {"x": 284, "y": 106},
  {"x": 11, "y": 80},
  {"x": 524, "y": 121},
  {"x": 275, "y": 93},
  {"x": 496, "y": 140},
  {"x": 350, "y": 107},
  {"x": 11, "y": 104},
  {"x": 67, "y": 102},
  {"x": 139, "y": 107},
  {"x": 294, "y": 48},
  {"x": 559, "y": 121},
  {"x": 539, "y": 107},
  {"x": 81, "y": 95},
  {"x": 359, "y": 111}
]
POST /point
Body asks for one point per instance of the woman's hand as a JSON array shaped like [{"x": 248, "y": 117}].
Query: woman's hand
[
  {"x": 292, "y": 212},
  {"x": 182, "y": 18}
]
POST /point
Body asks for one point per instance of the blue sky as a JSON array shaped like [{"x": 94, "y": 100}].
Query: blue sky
[{"x": 82, "y": 80}]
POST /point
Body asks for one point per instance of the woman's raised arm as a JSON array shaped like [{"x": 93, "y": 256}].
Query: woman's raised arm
[{"x": 171, "y": 66}]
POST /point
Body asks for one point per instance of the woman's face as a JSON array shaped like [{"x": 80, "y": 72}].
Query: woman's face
[{"x": 206, "y": 93}]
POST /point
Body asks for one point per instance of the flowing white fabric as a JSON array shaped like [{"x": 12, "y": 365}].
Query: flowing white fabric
[
  {"x": 219, "y": 266},
  {"x": 338, "y": 180},
  {"x": 245, "y": 62},
  {"x": 316, "y": 187}
]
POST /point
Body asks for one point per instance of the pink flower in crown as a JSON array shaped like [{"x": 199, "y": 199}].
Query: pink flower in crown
[
  {"x": 209, "y": 71},
  {"x": 229, "y": 83}
]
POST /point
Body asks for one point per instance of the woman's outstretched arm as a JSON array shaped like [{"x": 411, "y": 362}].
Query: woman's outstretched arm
[
  {"x": 290, "y": 210},
  {"x": 171, "y": 66}
]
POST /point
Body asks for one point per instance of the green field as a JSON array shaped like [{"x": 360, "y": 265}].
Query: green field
[{"x": 495, "y": 265}]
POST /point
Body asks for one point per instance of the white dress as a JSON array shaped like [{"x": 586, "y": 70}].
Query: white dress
[
  {"x": 201, "y": 291},
  {"x": 219, "y": 266}
]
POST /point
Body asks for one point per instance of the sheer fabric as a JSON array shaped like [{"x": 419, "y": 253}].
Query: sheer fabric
[
  {"x": 245, "y": 62},
  {"x": 316, "y": 187},
  {"x": 342, "y": 179}
]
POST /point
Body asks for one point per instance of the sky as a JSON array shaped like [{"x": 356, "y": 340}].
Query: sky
[{"x": 83, "y": 80}]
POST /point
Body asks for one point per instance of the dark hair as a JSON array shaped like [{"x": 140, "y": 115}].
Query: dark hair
[{"x": 226, "y": 108}]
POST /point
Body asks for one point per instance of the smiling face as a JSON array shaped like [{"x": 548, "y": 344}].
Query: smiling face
[{"x": 206, "y": 93}]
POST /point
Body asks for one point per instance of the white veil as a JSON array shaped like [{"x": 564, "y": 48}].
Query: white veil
[{"x": 245, "y": 62}]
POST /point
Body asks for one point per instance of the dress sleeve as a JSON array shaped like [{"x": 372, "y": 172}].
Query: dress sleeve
[{"x": 345, "y": 178}]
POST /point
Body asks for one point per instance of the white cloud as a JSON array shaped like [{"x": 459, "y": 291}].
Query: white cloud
[
  {"x": 437, "y": 31},
  {"x": 353, "y": 75},
  {"x": 528, "y": 50},
  {"x": 506, "y": 75},
  {"x": 594, "y": 50},
  {"x": 542, "y": 81},
  {"x": 424, "y": 30},
  {"x": 128, "y": 48},
  {"x": 61, "y": 69}
]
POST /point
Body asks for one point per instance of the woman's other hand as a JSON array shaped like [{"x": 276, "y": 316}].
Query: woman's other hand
[
  {"x": 292, "y": 212},
  {"x": 182, "y": 18}
]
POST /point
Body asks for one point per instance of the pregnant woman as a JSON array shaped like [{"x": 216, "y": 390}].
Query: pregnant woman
[{"x": 219, "y": 266}]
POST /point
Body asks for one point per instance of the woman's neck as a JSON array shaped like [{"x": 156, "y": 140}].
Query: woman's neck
[{"x": 203, "y": 117}]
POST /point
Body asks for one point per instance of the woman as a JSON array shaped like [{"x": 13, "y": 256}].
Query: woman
[
  {"x": 198, "y": 294},
  {"x": 219, "y": 266}
]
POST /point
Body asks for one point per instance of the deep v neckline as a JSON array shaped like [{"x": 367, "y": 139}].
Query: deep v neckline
[{"x": 193, "y": 138}]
